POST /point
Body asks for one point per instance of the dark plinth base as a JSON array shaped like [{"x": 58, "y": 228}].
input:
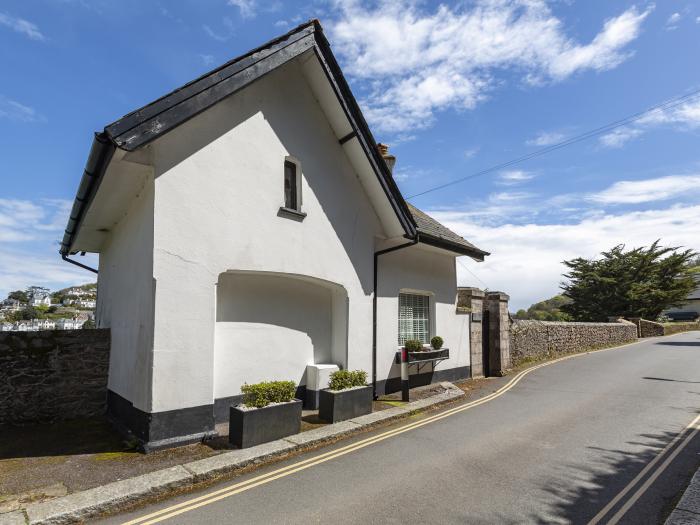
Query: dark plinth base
[
  {"x": 248, "y": 428},
  {"x": 340, "y": 405}
]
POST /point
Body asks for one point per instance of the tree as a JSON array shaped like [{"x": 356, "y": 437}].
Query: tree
[
  {"x": 547, "y": 310},
  {"x": 637, "y": 283},
  {"x": 25, "y": 314},
  {"x": 89, "y": 324},
  {"x": 18, "y": 295}
]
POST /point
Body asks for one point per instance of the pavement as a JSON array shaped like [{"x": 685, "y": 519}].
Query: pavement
[
  {"x": 603, "y": 437},
  {"x": 688, "y": 509},
  {"x": 82, "y": 505}
]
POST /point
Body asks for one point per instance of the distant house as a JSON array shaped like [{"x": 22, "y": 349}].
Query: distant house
[
  {"x": 40, "y": 299},
  {"x": 690, "y": 309},
  {"x": 42, "y": 324},
  {"x": 86, "y": 303},
  {"x": 79, "y": 292},
  {"x": 6, "y": 327},
  {"x": 11, "y": 305},
  {"x": 249, "y": 227},
  {"x": 68, "y": 324}
]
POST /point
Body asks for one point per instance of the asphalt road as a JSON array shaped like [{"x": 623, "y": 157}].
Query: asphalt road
[{"x": 556, "y": 448}]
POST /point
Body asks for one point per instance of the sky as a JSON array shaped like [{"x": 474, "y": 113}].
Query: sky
[{"x": 454, "y": 89}]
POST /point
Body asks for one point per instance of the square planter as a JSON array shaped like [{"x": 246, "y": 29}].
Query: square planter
[
  {"x": 339, "y": 405},
  {"x": 251, "y": 427}
]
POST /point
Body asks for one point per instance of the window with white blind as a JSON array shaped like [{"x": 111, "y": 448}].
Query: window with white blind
[{"x": 414, "y": 318}]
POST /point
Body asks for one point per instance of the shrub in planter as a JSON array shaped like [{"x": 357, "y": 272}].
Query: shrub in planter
[
  {"x": 262, "y": 394},
  {"x": 436, "y": 342},
  {"x": 348, "y": 396},
  {"x": 342, "y": 379},
  {"x": 413, "y": 345},
  {"x": 269, "y": 411}
]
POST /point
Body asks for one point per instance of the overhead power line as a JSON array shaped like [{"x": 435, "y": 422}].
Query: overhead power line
[
  {"x": 486, "y": 286},
  {"x": 668, "y": 104}
]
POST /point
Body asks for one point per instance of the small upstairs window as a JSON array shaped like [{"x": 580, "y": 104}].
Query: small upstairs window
[
  {"x": 291, "y": 208},
  {"x": 290, "y": 186}
]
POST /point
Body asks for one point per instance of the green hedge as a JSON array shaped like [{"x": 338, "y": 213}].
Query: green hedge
[
  {"x": 342, "y": 379},
  {"x": 262, "y": 394}
]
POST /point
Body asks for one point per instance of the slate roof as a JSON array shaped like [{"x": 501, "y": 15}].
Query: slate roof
[
  {"x": 144, "y": 125},
  {"x": 429, "y": 228}
]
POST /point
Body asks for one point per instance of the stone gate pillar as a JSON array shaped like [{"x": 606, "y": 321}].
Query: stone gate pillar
[
  {"x": 470, "y": 302},
  {"x": 499, "y": 332}
]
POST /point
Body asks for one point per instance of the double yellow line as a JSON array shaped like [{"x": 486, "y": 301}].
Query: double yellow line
[
  {"x": 685, "y": 437},
  {"x": 237, "y": 488}
]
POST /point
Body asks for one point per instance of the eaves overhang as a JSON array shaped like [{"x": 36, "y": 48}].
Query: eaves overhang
[{"x": 146, "y": 124}]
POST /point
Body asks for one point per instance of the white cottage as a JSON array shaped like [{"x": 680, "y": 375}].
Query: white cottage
[{"x": 248, "y": 227}]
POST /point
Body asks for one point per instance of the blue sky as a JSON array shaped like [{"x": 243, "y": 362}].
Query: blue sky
[{"x": 453, "y": 88}]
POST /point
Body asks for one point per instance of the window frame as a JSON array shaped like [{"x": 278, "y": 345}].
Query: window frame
[
  {"x": 294, "y": 212},
  {"x": 429, "y": 297},
  {"x": 293, "y": 202}
]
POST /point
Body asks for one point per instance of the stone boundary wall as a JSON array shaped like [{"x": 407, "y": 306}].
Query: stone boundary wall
[
  {"x": 53, "y": 375},
  {"x": 653, "y": 329},
  {"x": 675, "y": 328},
  {"x": 533, "y": 340},
  {"x": 648, "y": 328}
]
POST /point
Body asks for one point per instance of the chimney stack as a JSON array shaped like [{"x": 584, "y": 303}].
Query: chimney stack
[{"x": 388, "y": 157}]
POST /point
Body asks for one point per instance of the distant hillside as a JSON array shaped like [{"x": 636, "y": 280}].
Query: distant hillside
[
  {"x": 89, "y": 287},
  {"x": 547, "y": 310}
]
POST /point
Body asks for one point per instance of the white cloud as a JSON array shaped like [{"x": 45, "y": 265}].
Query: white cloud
[
  {"x": 23, "y": 220},
  {"x": 418, "y": 62},
  {"x": 207, "y": 60},
  {"x": 650, "y": 190},
  {"x": 619, "y": 137},
  {"x": 526, "y": 259},
  {"x": 512, "y": 177},
  {"x": 221, "y": 37},
  {"x": 13, "y": 110},
  {"x": 672, "y": 22},
  {"x": 20, "y": 269},
  {"x": 546, "y": 138},
  {"x": 470, "y": 152},
  {"x": 684, "y": 116},
  {"x": 29, "y": 243},
  {"x": 247, "y": 8},
  {"x": 697, "y": 20},
  {"x": 22, "y": 26}
]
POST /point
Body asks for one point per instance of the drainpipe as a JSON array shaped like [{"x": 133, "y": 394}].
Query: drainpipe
[
  {"x": 83, "y": 266},
  {"x": 374, "y": 309}
]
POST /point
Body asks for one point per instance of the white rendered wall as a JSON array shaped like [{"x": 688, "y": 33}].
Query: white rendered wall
[
  {"x": 270, "y": 327},
  {"x": 419, "y": 269},
  {"x": 219, "y": 185},
  {"x": 126, "y": 299}
]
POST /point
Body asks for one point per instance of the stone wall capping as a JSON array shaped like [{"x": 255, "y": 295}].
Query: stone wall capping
[
  {"x": 470, "y": 291},
  {"x": 501, "y": 296}
]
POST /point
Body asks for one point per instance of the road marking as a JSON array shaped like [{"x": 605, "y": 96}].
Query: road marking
[
  {"x": 236, "y": 488},
  {"x": 687, "y": 434}
]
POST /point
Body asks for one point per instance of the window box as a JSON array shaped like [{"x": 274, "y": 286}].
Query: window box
[
  {"x": 252, "y": 426},
  {"x": 425, "y": 356},
  {"x": 339, "y": 405}
]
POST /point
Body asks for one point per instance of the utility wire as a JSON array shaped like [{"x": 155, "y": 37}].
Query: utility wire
[
  {"x": 486, "y": 286},
  {"x": 668, "y": 104}
]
